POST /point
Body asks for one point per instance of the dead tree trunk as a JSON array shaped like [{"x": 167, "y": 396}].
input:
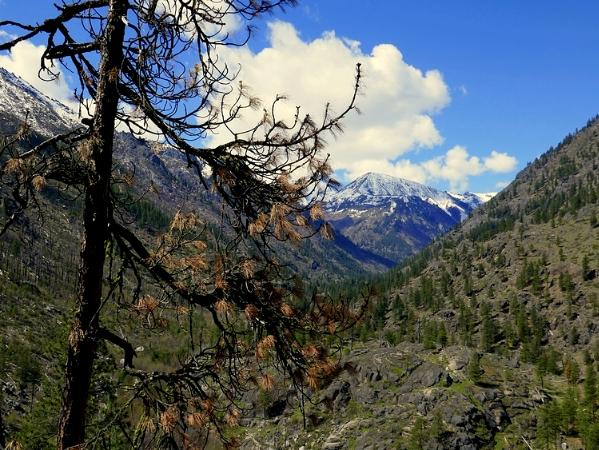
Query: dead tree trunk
[{"x": 83, "y": 336}]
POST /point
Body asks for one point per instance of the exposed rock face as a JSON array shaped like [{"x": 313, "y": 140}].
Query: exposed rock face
[
  {"x": 390, "y": 392},
  {"x": 424, "y": 376},
  {"x": 20, "y": 101},
  {"x": 338, "y": 395}
]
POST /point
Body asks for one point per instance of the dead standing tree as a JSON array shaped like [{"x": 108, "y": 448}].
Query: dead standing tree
[{"x": 131, "y": 70}]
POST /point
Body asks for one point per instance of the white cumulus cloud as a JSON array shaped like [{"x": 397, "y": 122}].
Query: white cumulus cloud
[
  {"x": 500, "y": 162},
  {"x": 24, "y": 60},
  {"x": 397, "y": 104},
  {"x": 455, "y": 167},
  {"x": 397, "y": 101}
]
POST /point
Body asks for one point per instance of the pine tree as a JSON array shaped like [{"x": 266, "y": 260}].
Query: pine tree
[
  {"x": 522, "y": 279},
  {"x": 379, "y": 317},
  {"x": 590, "y": 389},
  {"x": 572, "y": 371},
  {"x": 590, "y": 436},
  {"x": 474, "y": 369},
  {"x": 548, "y": 423},
  {"x": 442, "y": 335},
  {"x": 399, "y": 309},
  {"x": 466, "y": 324},
  {"x": 569, "y": 407},
  {"x": 522, "y": 324},
  {"x": 418, "y": 435},
  {"x": 429, "y": 335},
  {"x": 541, "y": 369},
  {"x": 585, "y": 266},
  {"x": 487, "y": 338},
  {"x": 509, "y": 333},
  {"x": 155, "y": 67}
]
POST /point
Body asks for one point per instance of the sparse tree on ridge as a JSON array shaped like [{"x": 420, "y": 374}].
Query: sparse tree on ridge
[
  {"x": 129, "y": 59},
  {"x": 590, "y": 389},
  {"x": 474, "y": 369}
]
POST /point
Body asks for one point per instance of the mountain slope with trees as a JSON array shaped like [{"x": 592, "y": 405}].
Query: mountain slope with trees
[
  {"x": 499, "y": 317},
  {"x": 489, "y": 337}
]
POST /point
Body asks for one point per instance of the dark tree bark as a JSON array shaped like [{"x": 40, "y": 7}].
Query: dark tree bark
[{"x": 84, "y": 333}]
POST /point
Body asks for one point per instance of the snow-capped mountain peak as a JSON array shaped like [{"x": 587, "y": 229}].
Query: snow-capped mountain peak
[
  {"x": 44, "y": 114},
  {"x": 377, "y": 190},
  {"x": 394, "y": 217},
  {"x": 479, "y": 197},
  {"x": 381, "y": 185}
]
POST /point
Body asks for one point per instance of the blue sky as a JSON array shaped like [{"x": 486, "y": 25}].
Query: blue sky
[
  {"x": 510, "y": 79},
  {"x": 530, "y": 68}
]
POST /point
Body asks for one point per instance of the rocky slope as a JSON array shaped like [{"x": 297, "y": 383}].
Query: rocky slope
[
  {"x": 397, "y": 397},
  {"x": 395, "y": 218},
  {"x": 489, "y": 338}
]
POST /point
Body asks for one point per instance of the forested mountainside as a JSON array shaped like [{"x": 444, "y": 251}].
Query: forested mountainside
[
  {"x": 486, "y": 339},
  {"x": 489, "y": 338}
]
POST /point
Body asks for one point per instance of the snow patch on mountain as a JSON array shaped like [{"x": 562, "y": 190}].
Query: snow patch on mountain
[
  {"x": 44, "y": 114},
  {"x": 374, "y": 185},
  {"x": 473, "y": 197}
]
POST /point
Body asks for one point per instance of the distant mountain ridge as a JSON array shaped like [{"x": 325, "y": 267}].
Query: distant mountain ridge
[
  {"x": 394, "y": 217},
  {"x": 403, "y": 216},
  {"x": 375, "y": 189}
]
